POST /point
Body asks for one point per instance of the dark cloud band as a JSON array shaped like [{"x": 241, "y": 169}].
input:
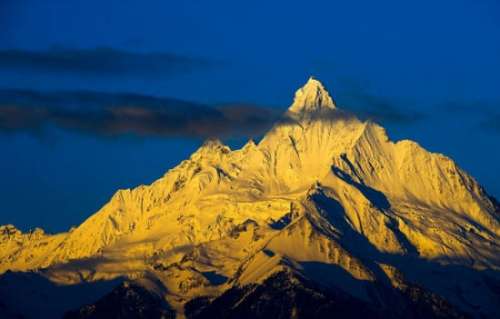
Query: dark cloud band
[
  {"x": 486, "y": 112},
  {"x": 97, "y": 62},
  {"x": 108, "y": 114}
]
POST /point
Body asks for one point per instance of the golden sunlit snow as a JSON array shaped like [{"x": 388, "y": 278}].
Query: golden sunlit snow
[{"x": 321, "y": 186}]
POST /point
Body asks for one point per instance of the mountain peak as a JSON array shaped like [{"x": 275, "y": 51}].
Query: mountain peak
[
  {"x": 211, "y": 148},
  {"x": 312, "y": 97},
  {"x": 321, "y": 206}
]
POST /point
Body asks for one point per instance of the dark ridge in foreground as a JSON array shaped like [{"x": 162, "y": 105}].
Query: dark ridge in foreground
[
  {"x": 287, "y": 295},
  {"x": 125, "y": 301}
]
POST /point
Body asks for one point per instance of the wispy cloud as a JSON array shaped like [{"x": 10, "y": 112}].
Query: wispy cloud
[
  {"x": 115, "y": 114},
  {"x": 384, "y": 110},
  {"x": 106, "y": 114},
  {"x": 357, "y": 97},
  {"x": 98, "y": 62},
  {"x": 492, "y": 123},
  {"x": 486, "y": 113}
]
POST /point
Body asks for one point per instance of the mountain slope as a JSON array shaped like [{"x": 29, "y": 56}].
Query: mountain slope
[{"x": 322, "y": 194}]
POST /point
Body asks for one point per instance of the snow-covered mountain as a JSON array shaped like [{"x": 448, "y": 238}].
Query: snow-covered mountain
[{"x": 325, "y": 215}]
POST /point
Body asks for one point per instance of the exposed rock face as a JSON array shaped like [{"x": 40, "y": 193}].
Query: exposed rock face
[{"x": 323, "y": 195}]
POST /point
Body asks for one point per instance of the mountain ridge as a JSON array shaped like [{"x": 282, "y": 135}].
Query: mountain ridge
[{"x": 321, "y": 190}]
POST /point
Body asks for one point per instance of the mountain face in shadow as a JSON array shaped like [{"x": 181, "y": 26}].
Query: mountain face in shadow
[
  {"x": 125, "y": 301},
  {"x": 286, "y": 295},
  {"x": 325, "y": 216}
]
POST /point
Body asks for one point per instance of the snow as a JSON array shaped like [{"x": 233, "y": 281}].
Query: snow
[
  {"x": 346, "y": 196},
  {"x": 312, "y": 97}
]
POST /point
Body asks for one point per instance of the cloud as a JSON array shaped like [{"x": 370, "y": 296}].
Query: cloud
[
  {"x": 98, "y": 62},
  {"x": 486, "y": 113},
  {"x": 491, "y": 123},
  {"x": 357, "y": 97},
  {"x": 386, "y": 110},
  {"x": 469, "y": 107},
  {"x": 107, "y": 114},
  {"x": 123, "y": 114},
  {"x": 381, "y": 109}
]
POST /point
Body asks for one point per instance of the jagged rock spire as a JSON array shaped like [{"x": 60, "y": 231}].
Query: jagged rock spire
[{"x": 312, "y": 97}]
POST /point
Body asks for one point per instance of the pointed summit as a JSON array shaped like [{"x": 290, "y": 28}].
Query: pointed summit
[{"x": 312, "y": 97}]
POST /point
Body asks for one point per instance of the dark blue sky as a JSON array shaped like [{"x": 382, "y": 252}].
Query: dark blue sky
[{"x": 427, "y": 70}]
